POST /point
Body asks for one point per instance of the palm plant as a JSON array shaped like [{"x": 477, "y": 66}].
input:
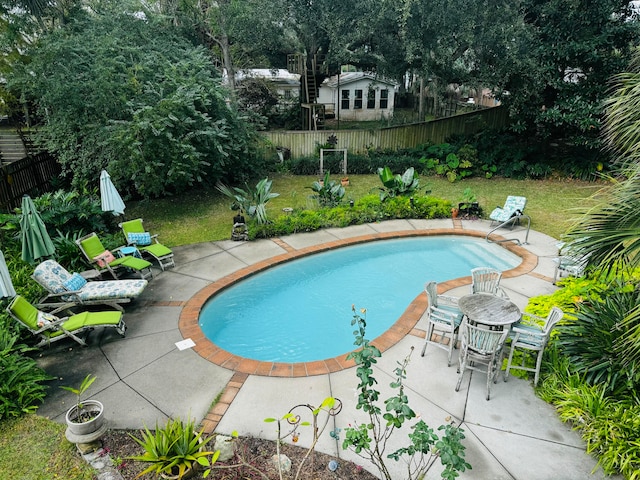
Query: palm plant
[
  {"x": 609, "y": 231},
  {"x": 250, "y": 200}
]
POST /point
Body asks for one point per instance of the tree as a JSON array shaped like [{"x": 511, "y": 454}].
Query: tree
[
  {"x": 555, "y": 72},
  {"x": 129, "y": 95}
]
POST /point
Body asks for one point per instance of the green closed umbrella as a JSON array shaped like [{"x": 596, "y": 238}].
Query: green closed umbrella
[{"x": 36, "y": 242}]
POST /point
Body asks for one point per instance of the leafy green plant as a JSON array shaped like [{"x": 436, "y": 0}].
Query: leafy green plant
[
  {"x": 328, "y": 193},
  {"x": 250, "y": 200},
  {"x": 449, "y": 161},
  {"x": 369, "y": 440},
  {"x": 21, "y": 378},
  {"x": 594, "y": 341},
  {"x": 174, "y": 449},
  {"x": 79, "y": 391},
  {"x": 396, "y": 185}
]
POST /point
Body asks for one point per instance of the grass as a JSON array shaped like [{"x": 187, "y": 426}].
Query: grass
[
  {"x": 34, "y": 448},
  {"x": 203, "y": 216}
]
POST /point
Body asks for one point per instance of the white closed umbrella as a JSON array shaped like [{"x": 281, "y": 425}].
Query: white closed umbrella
[
  {"x": 6, "y": 286},
  {"x": 110, "y": 198}
]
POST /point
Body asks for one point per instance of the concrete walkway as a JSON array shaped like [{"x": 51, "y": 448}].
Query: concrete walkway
[{"x": 145, "y": 378}]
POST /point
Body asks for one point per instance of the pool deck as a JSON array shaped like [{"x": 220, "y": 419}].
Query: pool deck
[{"x": 145, "y": 378}]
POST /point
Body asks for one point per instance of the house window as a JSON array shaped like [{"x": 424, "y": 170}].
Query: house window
[
  {"x": 287, "y": 94},
  {"x": 384, "y": 98},
  {"x": 371, "y": 99},
  {"x": 357, "y": 103},
  {"x": 344, "y": 104}
]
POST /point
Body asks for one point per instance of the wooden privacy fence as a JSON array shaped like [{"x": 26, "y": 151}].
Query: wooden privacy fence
[
  {"x": 304, "y": 143},
  {"x": 30, "y": 175}
]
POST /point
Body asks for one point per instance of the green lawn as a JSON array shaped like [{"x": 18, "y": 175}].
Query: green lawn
[{"x": 201, "y": 216}]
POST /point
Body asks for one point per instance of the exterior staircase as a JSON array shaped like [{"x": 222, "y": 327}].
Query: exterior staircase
[
  {"x": 312, "y": 71},
  {"x": 11, "y": 146}
]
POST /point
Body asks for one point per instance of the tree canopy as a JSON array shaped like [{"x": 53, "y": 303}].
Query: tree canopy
[{"x": 130, "y": 95}]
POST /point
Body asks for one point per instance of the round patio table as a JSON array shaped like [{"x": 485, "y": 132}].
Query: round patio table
[{"x": 489, "y": 310}]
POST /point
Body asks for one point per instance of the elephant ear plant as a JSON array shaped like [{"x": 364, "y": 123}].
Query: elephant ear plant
[{"x": 396, "y": 185}]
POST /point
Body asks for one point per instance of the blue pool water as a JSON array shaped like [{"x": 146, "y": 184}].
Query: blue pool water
[{"x": 300, "y": 311}]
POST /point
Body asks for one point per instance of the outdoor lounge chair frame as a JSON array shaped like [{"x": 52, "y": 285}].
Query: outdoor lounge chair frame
[
  {"x": 51, "y": 276},
  {"x": 160, "y": 253},
  {"x": 121, "y": 262},
  {"x": 19, "y": 307}
]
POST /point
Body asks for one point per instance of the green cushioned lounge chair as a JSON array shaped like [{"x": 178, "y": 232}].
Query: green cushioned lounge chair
[
  {"x": 95, "y": 253},
  {"x": 49, "y": 328},
  {"x": 136, "y": 236}
]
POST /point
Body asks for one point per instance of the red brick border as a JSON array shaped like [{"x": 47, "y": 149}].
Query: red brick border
[{"x": 189, "y": 327}]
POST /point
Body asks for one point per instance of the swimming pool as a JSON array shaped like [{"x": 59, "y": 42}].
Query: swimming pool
[{"x": 300, "y": 311}]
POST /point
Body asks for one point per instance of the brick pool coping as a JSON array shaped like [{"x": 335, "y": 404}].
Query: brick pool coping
[{"x": 189, "y": 327}]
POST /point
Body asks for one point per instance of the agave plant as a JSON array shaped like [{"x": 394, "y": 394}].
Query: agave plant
[
  {"x": 250, "y": 200},
  {"x": 173, "y": 449}
]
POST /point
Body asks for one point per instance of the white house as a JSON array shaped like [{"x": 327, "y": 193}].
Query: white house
[
  {"x": 358, "y": 96},
  {"x": 287, "y": 84}
]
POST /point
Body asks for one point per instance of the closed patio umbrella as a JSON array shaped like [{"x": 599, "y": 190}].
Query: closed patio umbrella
[
  {"x": 6, "y": 286},
  {"x": 36, "y": 242},
  {"x": 109, "y": 196}
]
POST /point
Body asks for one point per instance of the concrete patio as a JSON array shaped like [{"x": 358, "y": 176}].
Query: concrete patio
[{"x": 145, "y": 378}]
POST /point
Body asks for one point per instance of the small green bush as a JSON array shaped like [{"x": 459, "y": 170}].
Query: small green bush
[
  {"x": 21, "y": 378},
  {"x": 367, "y": 209}
]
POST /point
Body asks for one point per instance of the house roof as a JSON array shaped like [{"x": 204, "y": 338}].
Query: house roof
[{"x": 350, "y": 77}]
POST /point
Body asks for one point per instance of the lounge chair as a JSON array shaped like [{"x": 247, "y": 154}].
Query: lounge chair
[
  {"x": 66, "y": 289},
  {"x": 113, "y": 261},
  {"x": 136, "y": 236},
  {"x": 48, "y": 328},
  {"x": 513, "y": 208}
]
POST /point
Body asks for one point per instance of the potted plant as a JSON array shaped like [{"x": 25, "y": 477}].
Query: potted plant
[
  {"x": 85, "y": 420},
  {"x": 174, "y": 451},
  {"x": 469, "y": 204}
]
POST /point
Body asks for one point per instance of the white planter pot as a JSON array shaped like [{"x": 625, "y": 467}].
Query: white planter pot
[{"x": 88, "y": 431}]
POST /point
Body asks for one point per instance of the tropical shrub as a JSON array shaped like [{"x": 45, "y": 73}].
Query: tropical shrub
[
  {"x": 448, "y": 160},
  {"x": 21, "y": 388},
  {"x": 396, "y": 185},
  {"x": 595, "y": 342},
  {"x": 328, "y": 193},
  {"x": 73, "y": 211},
  {"x": 173, "y": 449},
  {"x": 250, "y": 200}
]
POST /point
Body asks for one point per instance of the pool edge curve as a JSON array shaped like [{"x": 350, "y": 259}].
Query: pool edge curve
[{"x": 190, "y": 328}]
